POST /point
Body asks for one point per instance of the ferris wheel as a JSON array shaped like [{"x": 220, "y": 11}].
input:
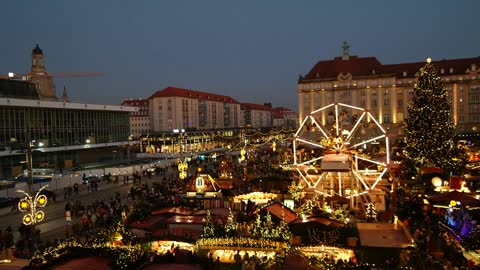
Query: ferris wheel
[{"x": 341, "y": 150}]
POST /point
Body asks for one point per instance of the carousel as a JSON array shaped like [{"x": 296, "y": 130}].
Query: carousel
[{"x": 342, "y": 150}]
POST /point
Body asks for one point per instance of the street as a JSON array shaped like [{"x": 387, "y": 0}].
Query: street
[{"x": 52, "y": 227}]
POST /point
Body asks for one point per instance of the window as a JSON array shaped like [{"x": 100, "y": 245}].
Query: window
[
  {"x": 386, "y": 118},
  {"x": 374, "y": 103}
]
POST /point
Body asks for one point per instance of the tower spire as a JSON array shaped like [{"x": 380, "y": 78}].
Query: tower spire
[
  {"x": 345, "y": 48},
  {"x": 65, "y": 97}
]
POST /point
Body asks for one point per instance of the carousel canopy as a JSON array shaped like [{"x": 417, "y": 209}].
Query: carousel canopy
[{"x": 336, "y": 163}]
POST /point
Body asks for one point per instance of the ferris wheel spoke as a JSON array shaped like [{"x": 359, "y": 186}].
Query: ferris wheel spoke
[
  {"x": 354, "y": 129},
  {"x": 359, "y": 177},
  {"x": 369, "y": 141},
  {"x": 376, "y": 122},
  {"x": 371, "y": 161},
  {"x": 310, "y": 143},
  {"x": 320, "y": 128},
  {"x": 379, "y": 178}
]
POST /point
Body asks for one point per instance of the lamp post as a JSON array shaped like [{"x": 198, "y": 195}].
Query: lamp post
[
  {"x": 29, "y": 205},
  {"x": 182, "y": 164},
  {"x": 130, "y": 138}
]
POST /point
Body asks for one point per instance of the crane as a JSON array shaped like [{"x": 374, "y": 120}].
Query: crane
[{"x": 29, "y": 75}]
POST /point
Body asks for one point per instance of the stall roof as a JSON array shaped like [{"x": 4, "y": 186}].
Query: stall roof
[
  {"x": 322, "y": 220},
  {"x": 276, "y": 209},
  {"x": 147, "y": 223},
  {"x": 385, "y": 235},
  {"x": 173, "y": 210},
  {"x": 445, "y": 198}
]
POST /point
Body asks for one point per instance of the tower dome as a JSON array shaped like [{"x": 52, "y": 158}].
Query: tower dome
[{"x": 37, "y": 50}]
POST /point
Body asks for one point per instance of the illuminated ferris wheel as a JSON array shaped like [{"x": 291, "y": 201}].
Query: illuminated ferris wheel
[{"x": 341, "y": 150}]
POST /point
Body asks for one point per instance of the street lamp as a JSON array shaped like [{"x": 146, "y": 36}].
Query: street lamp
[
  {"x": 182, "y": 164},
  {"x": 29, "y": 205}
]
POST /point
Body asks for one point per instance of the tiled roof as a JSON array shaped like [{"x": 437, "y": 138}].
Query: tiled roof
[
  {"x": 257, "y": 107},
  {"x": 458, "y": 66},
  {"x": 180, "y": 92},
  {"x": 135, "y": 102},
  {"x": 281, "y": 112},
  {"x": 355, "y": 66},
  {"x": 370, "y": 66}
]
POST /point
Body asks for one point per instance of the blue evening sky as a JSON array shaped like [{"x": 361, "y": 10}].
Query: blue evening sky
[{"x": 252, "y": 50}]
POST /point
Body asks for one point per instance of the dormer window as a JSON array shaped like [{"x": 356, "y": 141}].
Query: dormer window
[
  {"x": 442, "y": 71},
  {"x": 373, "y": 72},
  {"x": 451, "y": 70},
  {"x": 404, "y": 74}
]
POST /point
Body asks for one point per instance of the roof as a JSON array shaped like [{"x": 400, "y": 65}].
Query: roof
[
  {"x": 321, "y": 220},
  {"x": 280, "y": 112},
  {"x": 135, "y": 102},
  {"x": 370, "y": 66},
  {"x": 385, "y": 235},
  {"x": 458, "y": 66},
  {"x": 18, "y": 89},
  {"x": 276, "y": 209},
  {"x": 37, "y": 50},
  {"x": 257, "y": 107},
  {"x": 181, "y": 92},
  {"x": 173, "y": 210},
  {"x": 177, "y": 219},
  {"x": 147, "y": 223},
  {"x": 445, "y": 198},
  {"x": 356, "y": 66}
]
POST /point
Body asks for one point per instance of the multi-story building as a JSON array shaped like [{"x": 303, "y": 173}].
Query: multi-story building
[
  {"x": 256, "y": 115},
  {"x": 139, "y": 120},
  {"x": 284, "y": 117},
  {"x": 386, "y": 90},
  {"x": 177, "y": 108},
  {"x": 60, "y": 134}
]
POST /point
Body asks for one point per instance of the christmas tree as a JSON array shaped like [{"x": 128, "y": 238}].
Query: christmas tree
[
  {"x": 371, "y": 212},
  {"x": 208, "y": 226},
  {"x": 429, "y": 129}
]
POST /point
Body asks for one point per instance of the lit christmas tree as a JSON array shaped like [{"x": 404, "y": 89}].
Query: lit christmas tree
[
  {"x": 371, "y": 212},
  {"x": 208, "y": 226},
  {"x": 429, "y": 128},
  {"x": 231, "y": 226}
]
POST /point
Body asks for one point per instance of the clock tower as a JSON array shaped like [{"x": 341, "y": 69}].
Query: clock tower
[{"x": 39, "y": 76}]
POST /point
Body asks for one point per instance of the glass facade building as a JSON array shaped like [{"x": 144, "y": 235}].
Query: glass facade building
[{"x": 57, "y": 128}]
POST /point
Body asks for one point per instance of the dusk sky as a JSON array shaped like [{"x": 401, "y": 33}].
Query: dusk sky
[{"x": 252, "y": 51}]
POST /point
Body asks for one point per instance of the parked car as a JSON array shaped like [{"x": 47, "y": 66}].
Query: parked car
[
  {"x": 51, "y": 196},
  {"x": 88, "y": 179},
  {"x": 8, "y": 202}
]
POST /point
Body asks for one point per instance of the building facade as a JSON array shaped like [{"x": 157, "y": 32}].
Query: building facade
[
  {"x": 139, "y": 120},
  {"x": 177, "y": 108},
  {"x": 38, "y": 75},
  {"x": 256, "y": 115},
  {"x": 284, "y": 117},
  {"x": 61, "y": 135},
  {"x": 386, "y": 90}
]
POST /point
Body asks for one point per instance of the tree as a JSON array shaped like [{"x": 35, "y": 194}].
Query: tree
[
  {"x": 208, "y": 226},
  {"x": 429, "y": 130}
]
